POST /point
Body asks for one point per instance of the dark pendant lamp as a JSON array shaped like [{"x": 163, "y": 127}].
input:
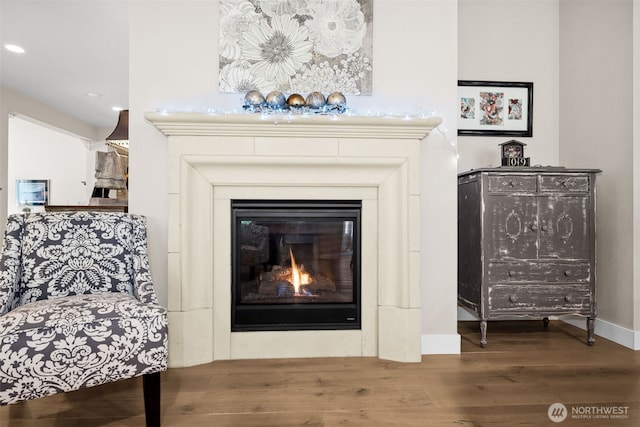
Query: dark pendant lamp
[{"x": 119, "y": 138}]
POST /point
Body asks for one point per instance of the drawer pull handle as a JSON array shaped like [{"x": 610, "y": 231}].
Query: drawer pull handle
[
  {"x": 512, "y": 273},
  {"x": 568, "y": 273},
  {"x": 512, "y": 183},
  {"x": 513, "y": 298},
  {"x": 568, "y": 298}
]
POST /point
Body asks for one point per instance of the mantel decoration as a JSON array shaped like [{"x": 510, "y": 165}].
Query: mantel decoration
[
  {"x": 275, "y": 101},
  {"x": 495, "y": 108},
  {"x": 296, "y": 46}
]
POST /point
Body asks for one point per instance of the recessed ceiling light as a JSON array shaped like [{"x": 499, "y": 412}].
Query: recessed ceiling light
[
  {"x": 14, "y": 48},
  {"x": 94, "y": 95}
]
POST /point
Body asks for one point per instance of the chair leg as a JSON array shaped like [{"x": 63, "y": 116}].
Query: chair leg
[{"x": 151, "y": 390}]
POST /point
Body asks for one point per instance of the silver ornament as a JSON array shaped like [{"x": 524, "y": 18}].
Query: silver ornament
[
  {"x": 336, "y": 99},
  {"x": 276, "y": 99},
  {"x": 253, "y": 98},
  {"x": 315, "y": 100}
]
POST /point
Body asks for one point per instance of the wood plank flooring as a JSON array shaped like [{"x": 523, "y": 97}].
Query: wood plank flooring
[{"x": 512, "y": 382}]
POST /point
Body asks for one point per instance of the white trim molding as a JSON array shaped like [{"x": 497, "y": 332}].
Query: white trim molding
[
  {"x": 441, "y": 344},
  {"x": 616, "y": 333}
]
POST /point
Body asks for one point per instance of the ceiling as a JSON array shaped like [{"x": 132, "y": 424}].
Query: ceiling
[{"x": 73, "y": 49}]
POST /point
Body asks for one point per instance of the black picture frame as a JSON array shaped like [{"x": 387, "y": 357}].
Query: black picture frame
[{"x": 488, "y": 108}]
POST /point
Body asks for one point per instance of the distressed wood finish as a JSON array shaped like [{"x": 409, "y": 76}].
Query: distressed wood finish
[{"x": 526, "y": 243}]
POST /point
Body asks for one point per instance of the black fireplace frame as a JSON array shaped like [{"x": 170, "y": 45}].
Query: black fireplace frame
[{"x": 296, "y": 316}]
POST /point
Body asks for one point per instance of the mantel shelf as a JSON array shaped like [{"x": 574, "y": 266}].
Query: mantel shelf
[{"x": 294, "y": 125}]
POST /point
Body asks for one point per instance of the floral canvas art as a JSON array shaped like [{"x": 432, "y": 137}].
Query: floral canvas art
[{"x": 296, "y": 46}]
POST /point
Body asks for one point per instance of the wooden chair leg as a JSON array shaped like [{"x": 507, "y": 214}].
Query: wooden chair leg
[{"x": 152, "y": 406}]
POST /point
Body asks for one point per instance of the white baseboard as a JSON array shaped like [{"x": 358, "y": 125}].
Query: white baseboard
[
  {"x": 465, "y": 315},
  {"x": 618, "y": 334},
  {"x": 441, "y": 344}
]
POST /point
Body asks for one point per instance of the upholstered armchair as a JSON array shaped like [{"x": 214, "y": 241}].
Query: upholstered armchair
[{"x": 78, "y": 307}]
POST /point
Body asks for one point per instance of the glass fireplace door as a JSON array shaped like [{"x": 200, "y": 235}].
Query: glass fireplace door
[{"x": 296, "y": 265}]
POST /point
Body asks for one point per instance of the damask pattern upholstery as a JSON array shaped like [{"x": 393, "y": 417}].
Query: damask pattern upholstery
[{"x": 77, "y": 304}]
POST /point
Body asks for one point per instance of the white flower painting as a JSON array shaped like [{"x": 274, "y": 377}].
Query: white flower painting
[{"x": 296, "y": 46}]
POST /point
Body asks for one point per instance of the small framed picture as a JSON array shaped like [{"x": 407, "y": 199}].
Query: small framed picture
[
  {"x": 495, "y": 108},
  {"x": 32, "y": 192}
]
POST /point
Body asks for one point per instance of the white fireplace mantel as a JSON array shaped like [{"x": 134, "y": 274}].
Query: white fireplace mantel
[
  {"x": 294, "y": 125},
  {"x": 216, "y": 158}
]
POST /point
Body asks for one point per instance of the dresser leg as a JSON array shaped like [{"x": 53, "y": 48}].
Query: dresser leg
[
  {"x": 545, "y": 322},
  {"x": 591, "y": 339},
  {"x": 483, "y": 333}
]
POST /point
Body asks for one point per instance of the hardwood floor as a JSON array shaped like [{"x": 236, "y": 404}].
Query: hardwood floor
[{"x": 512, "y": 382}]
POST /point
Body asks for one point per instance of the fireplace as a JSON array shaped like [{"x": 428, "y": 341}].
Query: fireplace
[
  {"x": 218, "y": 160},
  {"x": 295, "y": 265}
]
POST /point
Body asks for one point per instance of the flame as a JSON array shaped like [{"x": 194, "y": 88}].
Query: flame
[{"x": 298, "y": 277}]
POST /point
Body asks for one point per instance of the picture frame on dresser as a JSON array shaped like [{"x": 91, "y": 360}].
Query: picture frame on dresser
[{"x": 495, "y": 108}]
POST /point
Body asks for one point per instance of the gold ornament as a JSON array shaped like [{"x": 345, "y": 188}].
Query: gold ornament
[{"x": 295, "y": 100}]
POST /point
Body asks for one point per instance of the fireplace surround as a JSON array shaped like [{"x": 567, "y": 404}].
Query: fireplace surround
[{"x": 216, "y": 159}]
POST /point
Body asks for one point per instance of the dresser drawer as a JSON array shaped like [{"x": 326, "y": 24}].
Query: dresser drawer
[
  {"x": 575, "y": 298},
  {"x": 564, "y": 183},
  {"x": 538, "y": 272},
  {"x": 512, "y": 183}
]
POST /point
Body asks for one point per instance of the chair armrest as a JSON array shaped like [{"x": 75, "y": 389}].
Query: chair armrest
[
  {"x": 10, "y": 263},
  {"x": 142, "y": 280}
]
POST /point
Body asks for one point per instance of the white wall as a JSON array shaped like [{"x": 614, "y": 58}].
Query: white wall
[
  {"x": 14, "y": 103},
  {"x": 636, "y": 170},
  {"x": 512, "y": 40},
  {"x": 596, "y": 111},
  {"x": 174, "y": 65},
  {"x": 39, "y": 152}
]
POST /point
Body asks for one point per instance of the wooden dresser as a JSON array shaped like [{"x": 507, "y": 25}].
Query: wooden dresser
[{"x": 526, "y": 243}]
